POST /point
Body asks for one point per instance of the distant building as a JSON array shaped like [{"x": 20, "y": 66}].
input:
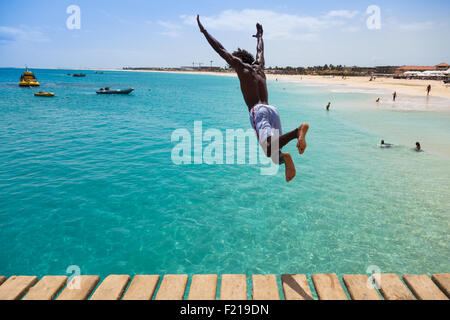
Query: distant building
[
  {"x": 414, "y": 68},
  {"x": 187, "y": 68},
  {"x": 202, "y": 68},
  {"x": 385, "y": 69},
  {"x": 440, "y": 67},
  {"x": 363, "y": 70}
]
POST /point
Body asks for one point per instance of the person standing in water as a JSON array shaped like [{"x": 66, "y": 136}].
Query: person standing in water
[
  {"x": 418, "y": 147},
  {"x": 328, "y": 106},
  {"x": 264, "y": 118}
]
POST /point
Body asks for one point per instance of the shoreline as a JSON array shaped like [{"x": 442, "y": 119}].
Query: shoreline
[{"x": 411, "y": 87}]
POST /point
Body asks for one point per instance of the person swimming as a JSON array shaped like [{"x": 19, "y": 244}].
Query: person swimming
[
  {"x": 264, "y": 118},
  {"x": 385, "y": 145}
]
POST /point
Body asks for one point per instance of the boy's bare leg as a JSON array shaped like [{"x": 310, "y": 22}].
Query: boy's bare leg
[
  {"x": 289, "y": 167},
  {"x": 301, "y": 144},
  {"x": 299, "y": 134}
]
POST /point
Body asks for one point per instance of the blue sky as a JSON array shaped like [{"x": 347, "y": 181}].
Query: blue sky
[{"x": 163, "y": 33}]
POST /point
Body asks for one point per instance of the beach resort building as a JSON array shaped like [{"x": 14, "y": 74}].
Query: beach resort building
[
  {"x": 440, "y": 67},
  {"x": 385, "y": 70}
]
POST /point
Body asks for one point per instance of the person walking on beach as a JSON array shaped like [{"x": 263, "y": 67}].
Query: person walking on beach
[
  {"x": 394, "y": 95},
  {"x": 264, "y": 118},
  {"x": 428, "y": 89}
]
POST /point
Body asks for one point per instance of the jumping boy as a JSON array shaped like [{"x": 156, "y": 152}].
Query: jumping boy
[{"x": 264, "y": 118}]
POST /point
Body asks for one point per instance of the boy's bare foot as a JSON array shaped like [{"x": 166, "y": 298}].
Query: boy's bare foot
[
  {"x": 301, "y": 144},
  {"x": 289, "y": 167}
]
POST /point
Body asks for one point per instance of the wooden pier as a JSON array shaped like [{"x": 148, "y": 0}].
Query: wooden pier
[{"x": 232, "y": 287}]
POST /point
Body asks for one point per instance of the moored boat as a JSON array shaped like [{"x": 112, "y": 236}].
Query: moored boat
[
  {"x": 27, "y": 79},
  {"x": 107, "y": 90},
  {"x": 44, "y": 94},
  {"x": 79, "y": 75}
]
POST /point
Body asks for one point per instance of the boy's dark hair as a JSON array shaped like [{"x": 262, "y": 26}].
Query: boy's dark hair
[{"x": 244, "y": 55}]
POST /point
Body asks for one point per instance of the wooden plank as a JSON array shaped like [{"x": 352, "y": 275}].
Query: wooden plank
[
  {"x": 203, "y": 287},
  {"x": 2, "y": 279},
  {"x": 423, "y": 287},
  {"x": 359, "y": 287},
  {"x": 442, "y": 280},
  {"x": 111, "y": 288},
  {"x": 172, "y": 287},
  {"x": 233, "y": 287},
  {"x": 296, "y": 287},
  {"x": 142, "y": 288},
  {"x": 16, "y": 286},
  {"x": 265, "y": 287},
  {"x": 47, "y": 288},
  {"x": 328, "y": 287},
  {"x": 79, "y": 288},
  {"x": 392, "y": 288}
]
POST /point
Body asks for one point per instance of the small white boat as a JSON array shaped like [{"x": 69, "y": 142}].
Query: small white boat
[{"x": 114, "y": 91}]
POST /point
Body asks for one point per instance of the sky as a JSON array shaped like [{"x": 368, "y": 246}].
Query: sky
[{"x": 154, "y": 33}]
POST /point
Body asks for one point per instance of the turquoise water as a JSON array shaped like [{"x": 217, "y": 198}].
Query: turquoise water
[{"x": 88, "y": 180}]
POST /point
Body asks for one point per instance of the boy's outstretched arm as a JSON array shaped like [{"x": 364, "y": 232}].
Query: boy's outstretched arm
[
  {"x": 260, "y": 47},
  {"x": 217, "y": 46}
]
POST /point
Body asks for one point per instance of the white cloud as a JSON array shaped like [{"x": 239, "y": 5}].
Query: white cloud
[
  {"x": 342, "y": 14},
  {"x": 276, "y": 25},
  {"x": 171, "y": 29},
  {"x": 351, "y": 29},
  {"x": 116, "y": 18},
  {"x": 418, "y": 26},
  {"x": 24, "y": 33}
]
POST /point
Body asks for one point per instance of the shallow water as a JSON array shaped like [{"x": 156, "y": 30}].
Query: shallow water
[{"x": 88, "y": 180}]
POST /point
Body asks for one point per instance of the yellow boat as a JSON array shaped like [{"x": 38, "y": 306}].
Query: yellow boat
[
  {"x": 28, "y": 80},
  {"x": 44, "y": 94}
]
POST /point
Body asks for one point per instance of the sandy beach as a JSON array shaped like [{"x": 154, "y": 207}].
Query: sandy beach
[{"x": 402, "y": 86}]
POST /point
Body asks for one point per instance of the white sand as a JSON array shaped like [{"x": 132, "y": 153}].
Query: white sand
[{"x": 402, "y": 86}]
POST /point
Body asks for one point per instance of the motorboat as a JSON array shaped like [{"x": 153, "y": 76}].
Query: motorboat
[
  {"x": 27, "y": 79},
  {"x": 44, "y": 94},
  {"x": 107, "y": 90}
]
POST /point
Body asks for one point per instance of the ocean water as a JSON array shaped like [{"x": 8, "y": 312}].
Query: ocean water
[{"x": 88, "y": 180}]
